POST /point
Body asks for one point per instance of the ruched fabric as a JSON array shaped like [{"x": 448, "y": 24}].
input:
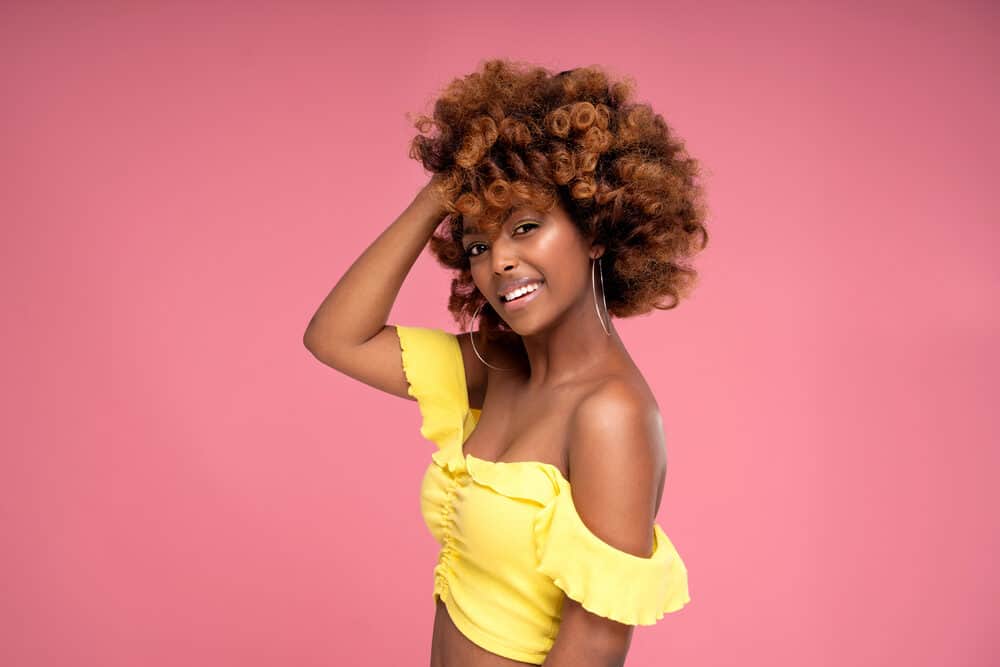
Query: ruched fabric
[{"x": 513, "y": 546}]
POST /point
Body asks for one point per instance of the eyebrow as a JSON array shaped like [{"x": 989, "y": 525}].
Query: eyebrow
[{"x": 472, "y": 229}]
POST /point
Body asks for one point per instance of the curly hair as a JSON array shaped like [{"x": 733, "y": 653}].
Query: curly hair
[{"x": 513, "y": 135}]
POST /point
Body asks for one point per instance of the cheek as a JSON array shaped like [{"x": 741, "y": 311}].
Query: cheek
[
  {"x": 558, "y": 259},
  {"x": 480, "y": 272}
]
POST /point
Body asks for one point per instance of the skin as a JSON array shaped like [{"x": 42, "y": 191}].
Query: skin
[
  {"x": 572, "y": 396},
  {"x": 558, "y": 357},
  {"x": 560, "y": 331}
]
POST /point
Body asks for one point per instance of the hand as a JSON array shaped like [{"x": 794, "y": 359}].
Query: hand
[{"x": 432, "y": 194}]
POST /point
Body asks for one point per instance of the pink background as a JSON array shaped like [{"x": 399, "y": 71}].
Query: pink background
[{"x": 184, "y": 484}]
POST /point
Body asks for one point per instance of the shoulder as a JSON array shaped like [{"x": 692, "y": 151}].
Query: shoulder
[
  {"x": 617, "y": 463},
  {"x": 618, "y": 421}
]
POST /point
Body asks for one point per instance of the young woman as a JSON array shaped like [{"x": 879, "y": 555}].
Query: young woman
[{"x": 566, "y": 203}]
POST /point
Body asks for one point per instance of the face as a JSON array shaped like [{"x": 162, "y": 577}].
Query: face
[{"x": 545, "y": 248}]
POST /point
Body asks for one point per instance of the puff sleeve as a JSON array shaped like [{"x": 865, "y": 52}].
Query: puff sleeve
[
  {"x": 432, "y": 363},
  {"x": 603, "y": 579}
]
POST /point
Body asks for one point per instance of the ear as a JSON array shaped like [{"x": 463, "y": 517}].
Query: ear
[{"x": 596, "y": 250}]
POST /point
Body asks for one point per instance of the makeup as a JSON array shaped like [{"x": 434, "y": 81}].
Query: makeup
[{"x": 522, "y": 302}]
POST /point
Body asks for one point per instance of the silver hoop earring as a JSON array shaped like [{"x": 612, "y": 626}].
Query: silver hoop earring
[
  {"x": 472, "y": 338},
  {"x": 594, "y": 285}
]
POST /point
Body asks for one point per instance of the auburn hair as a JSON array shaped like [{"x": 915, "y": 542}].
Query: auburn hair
[{"x": 513, "y": 134}]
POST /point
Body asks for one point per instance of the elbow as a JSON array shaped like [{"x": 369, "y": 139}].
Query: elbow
[{"x": 309, "y": 338}]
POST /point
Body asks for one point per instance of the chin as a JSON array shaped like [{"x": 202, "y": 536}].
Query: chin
[{"x": 528, "y": 326}]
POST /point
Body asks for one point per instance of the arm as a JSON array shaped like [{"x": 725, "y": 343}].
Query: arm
[
  {"x": 358, "y": 306},
  {"x": 617, "y": 460}
]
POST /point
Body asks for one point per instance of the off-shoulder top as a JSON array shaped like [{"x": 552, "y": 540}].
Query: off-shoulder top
[{"x": 512, "y": 543}]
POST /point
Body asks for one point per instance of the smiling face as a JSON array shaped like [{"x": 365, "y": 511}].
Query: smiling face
[{"x": 546, "y": 249}]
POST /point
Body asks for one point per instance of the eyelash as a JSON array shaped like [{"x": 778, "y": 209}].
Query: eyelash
[{"x": 469, "y": 249}]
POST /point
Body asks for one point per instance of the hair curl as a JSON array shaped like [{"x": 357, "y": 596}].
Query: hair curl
[{"x": 514, "y": 135}]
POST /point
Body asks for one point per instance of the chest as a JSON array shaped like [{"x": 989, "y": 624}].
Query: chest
[{"x": 518, "y": 425}]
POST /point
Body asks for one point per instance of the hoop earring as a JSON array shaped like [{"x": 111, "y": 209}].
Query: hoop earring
[
  {"x": 594, "y": 286},
  {"x": 472, "y": 339}
]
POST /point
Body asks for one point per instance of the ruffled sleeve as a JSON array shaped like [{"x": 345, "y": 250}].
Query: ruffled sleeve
[
  {"x": 603, "y": 579},
  {"x": 432, "y": 363}
]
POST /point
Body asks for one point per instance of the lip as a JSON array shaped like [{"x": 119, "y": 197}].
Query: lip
[
  {"x": 523, "y": 301},
  {"x": 518, "y": 282}
]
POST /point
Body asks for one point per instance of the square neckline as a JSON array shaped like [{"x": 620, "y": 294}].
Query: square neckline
[{"x": 477, "y": 414}]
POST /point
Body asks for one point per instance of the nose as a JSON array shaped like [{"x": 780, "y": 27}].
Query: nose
[{"x": 503, "y": 256}]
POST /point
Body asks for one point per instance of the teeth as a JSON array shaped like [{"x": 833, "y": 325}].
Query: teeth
[{"x": 521, "y": 292}]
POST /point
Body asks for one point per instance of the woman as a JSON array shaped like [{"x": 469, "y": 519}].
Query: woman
[{"x": 566, "y": 203}]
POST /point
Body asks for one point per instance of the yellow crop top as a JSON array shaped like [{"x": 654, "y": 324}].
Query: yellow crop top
[{"x": 512, "y": 543}]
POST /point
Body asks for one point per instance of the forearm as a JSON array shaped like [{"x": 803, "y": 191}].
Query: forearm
[{"x": 358, "y": 306}]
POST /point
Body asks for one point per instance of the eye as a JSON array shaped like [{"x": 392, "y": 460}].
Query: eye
[{"x": 469, "y": 253}]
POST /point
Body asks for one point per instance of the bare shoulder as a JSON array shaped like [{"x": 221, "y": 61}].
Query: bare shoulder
[
  {"x": 617, "y": 428},
  {"x": 618, "y": 403}
]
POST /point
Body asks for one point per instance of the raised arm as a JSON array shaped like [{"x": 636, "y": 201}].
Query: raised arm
[{"x": 348, "y": 331}]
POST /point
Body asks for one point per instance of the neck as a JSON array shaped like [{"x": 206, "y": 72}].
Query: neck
[{"x": 570, "y": 348}]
